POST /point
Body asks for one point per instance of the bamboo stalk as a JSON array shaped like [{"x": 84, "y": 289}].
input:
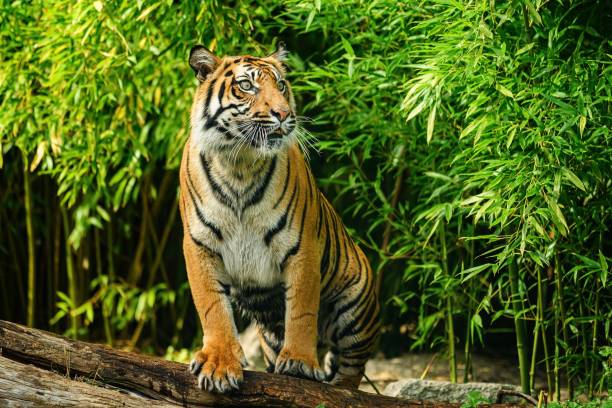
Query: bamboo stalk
[
  {"x": 536, "y": 331},
  {"x": 136, "y": 268},
  {"x": 30, "y": 237},
  {"x": 519, "y": 324},
  {"x": 466, "y": 351},
  {"x": 72, "y": 284},
  {"x": 594, "y": 342},
  {"x": 468, "y": 332},
  {"x": 3, "y": 275},
  {"x": 161, "y": 246},
  {"x": 110, "y": 259},
  {"x": 561, "y": 300},
  {"x": 556, "y": 360},
  {"x": 452, "y": 358},
  {"x": 547, "y": 361},
  {"x": 50, "y": 196},
  {"x": 395, "y": 195},
  {"x": 57, "y": 250},
  {"x": 105, "y": 317},
  {"x": 450, "y": 328},
  {"x": 16, "y": 261}
]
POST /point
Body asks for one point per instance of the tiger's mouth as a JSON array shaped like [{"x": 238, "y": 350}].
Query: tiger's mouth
[
  {"x": 270, "y": 138},
  {"x": 276, "y": 135}
]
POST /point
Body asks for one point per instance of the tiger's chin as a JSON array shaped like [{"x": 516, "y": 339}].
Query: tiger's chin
[{"x": 272, "y": 143}]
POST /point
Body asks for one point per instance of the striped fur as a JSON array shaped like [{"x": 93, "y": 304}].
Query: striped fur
[{"x": 261, "y": 238}]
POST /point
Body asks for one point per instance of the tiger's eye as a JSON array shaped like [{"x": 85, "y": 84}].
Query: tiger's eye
[
  {"x": 245, "y": 85},
  {"x": 281, "y": 86}
]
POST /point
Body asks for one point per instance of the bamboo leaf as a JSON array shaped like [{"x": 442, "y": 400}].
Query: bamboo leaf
[
  {"x": 568, "y": 174},
  {"x": 430, "y": 123},
  {"x": 504, "y": 91}
]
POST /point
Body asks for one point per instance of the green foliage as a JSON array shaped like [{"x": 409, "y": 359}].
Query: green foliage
[
  {"x": 466, "y": 144},
  {"x": 474, "y": 398},
  {"x": 595, "y": 403}
]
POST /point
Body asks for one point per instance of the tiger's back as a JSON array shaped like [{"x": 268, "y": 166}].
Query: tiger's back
[{"x": 271, "y": 245}]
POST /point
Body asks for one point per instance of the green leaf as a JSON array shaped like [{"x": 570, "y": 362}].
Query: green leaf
[
  {"x": 504, "y": 91},
  {"x": 347, "y": 47},
  {"x": 310, "y": 19},
  {"x": 568, "y": 174},
  {"x": 430, "y": 123}
]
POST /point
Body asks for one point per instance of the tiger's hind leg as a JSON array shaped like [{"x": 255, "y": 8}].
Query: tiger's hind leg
[
  {"x": 270, "y": 346},
  {"x": 354, "y": 334},
  {"x": 343, "y": 370}
]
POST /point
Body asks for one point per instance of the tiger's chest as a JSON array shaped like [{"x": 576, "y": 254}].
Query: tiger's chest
[
  {"x": 250, "y": 253},
  {"x": 247, "y": 259}
]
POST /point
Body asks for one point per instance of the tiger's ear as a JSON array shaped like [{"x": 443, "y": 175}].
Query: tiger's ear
[
  {"x": 202, "y": 61},
  {"x": 281, "y": 52}
]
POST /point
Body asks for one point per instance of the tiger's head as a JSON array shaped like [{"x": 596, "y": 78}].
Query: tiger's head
[{"x": 243, "y": 103}]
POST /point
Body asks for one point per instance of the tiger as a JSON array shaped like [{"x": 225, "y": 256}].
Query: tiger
[{"x": 261, "y": 239}]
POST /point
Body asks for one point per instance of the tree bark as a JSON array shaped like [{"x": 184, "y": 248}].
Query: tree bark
[
  {"x": 165, "y": 381},
  {"x": 28, "y": 386}
]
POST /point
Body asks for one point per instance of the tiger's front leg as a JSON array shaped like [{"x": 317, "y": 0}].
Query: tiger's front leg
[
  {"x": 218, "y": 364},
  {"x": 298, "y": 357}
]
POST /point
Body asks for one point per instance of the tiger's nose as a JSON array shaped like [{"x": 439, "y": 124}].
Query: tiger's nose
[{"x": 280, "y": 114}]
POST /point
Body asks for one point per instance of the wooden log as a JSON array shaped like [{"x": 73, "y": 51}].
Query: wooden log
[
  {"x": 171, "y": 382},
  {"x": 24, "y": 385}
]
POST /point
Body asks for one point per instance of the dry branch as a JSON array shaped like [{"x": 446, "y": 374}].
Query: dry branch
[
  {"x": 170, "y": 382},
  {"x": 25, "y": 385}
]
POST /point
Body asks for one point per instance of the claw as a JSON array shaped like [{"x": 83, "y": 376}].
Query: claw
[
  {"x": 234, "y": 382},
  {"x": 195, "y": 366},
  {"x": 319, "y": 374},
  {"x": 201, "y": 382},
  {"x": 217, "y": 369}
]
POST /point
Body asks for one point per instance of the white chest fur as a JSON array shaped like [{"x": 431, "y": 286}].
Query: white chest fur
[{"x": 248, "y": 260}]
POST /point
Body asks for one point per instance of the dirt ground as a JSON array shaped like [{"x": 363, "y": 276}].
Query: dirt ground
[{"x": 431, "y": 366}]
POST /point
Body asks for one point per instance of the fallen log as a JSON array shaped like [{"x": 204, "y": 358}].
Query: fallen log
[
  {"x": 26, "y": 385},
  {"x": 165, "y": 381}
]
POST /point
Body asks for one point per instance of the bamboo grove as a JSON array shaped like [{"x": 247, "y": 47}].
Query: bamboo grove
[{"x": 466, "y": 143}]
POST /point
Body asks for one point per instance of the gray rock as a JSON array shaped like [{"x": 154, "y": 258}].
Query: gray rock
[{"x": 426, "y": 390}]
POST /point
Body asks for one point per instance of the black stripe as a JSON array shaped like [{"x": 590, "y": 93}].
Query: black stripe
[
  {"x": 222, "y": 92},
  {"x": 363, "y": 355},
  {"x": 293, "y": 195},
  {"x": 233, "y": 92},
  {"x": 211, "y": 121},
  {"x": 216, "y": 187},
  {"x": 207, "y": 100},
  {"x": 206, "y": 247},
  {"x": 358, "y": 324},
  {"x": 276, "y": 229},
  {"x": 362, "y": 347},
  {"x": 349, "y": 282},
  {"x": 325, "y": 257},
  {"x": 203, "y": 219},
  {"x": 224, "y": 286},
  {"x": 294, "y": 250},
  {"x": 336, "y": 253},
  {"x": 321, "y": 218},
  {"x": 354, "y": 304},
  {"x": 189, "y": 179},
  {"x": 259, "y": 193},
  {"x": 293, "y": 207}
]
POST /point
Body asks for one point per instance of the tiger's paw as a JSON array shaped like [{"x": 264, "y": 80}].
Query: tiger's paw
[
  {"x": 298, "y": 366},
  {"x": 219, "y": 369}
]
